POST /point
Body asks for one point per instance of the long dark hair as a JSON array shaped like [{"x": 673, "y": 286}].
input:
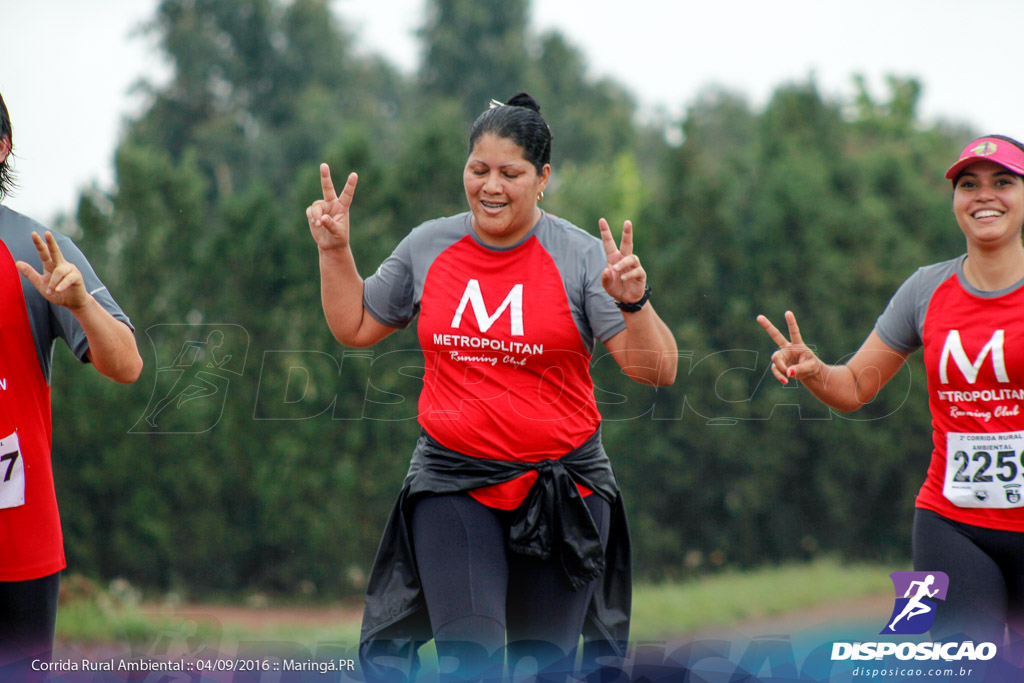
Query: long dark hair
[
  {"x": 518, "y": 120},
  {"x": 7, "y": 167}
]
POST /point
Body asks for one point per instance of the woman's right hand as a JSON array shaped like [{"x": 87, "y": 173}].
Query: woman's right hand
[
  {"x": 794, "y": 359},
  {"x": 328, "y": 217}
]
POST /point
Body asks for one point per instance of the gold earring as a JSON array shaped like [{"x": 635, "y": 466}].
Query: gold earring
[{"x": 540, "y": 196}]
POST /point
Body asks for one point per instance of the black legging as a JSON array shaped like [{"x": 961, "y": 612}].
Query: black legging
[
  {"x": 986, "y": 576},
  {"x": 477, "y": 591},
  {"x": 28, "y": 617}
]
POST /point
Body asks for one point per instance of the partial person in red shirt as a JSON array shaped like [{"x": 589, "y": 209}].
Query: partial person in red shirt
[
  {"x": 504, "y": 531},
  {"x": 966, "y": 314},
  {"x": 48, "y": 290}
]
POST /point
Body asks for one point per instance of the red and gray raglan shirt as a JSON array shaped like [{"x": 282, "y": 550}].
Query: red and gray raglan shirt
[
  {"x": 31, "y": 544},
  {"x": 974, "y": 357},
  {"x": 507, "y": 337}
]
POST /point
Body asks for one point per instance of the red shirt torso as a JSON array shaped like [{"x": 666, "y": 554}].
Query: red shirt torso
[
  {"x": 507, "y": 375},
  {"x": 31, "y": 544},
  {"x": 974, "y": 356}
]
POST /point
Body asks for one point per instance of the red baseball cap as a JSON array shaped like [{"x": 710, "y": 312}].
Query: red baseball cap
[{"x": 1006, "y": 154}]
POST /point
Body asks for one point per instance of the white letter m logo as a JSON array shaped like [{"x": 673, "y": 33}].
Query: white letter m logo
[
  {"x": 513, "y": 302},
  {"x": 954, "y": 347}
]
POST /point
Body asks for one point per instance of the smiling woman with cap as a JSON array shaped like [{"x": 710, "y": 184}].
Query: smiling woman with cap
[{"x": 966, "y": 314}]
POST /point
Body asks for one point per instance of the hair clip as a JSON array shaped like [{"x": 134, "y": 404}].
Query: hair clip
[{"x": 496, "y": 103}]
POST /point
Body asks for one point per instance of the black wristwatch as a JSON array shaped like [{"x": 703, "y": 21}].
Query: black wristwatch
[{"x": 637, "y": 305}]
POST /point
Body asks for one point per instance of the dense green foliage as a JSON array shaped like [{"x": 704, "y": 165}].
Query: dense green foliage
[{"x": 273, "y": 461}]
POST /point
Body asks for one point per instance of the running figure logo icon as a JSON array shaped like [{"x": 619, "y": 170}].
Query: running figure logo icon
[
  {"x": 914, "y": 612},
  {"x": 195, "y": 366}
]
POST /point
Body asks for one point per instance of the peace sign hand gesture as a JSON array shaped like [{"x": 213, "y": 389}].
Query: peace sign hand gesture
[
  {"x": 61, "y": 282},
  {"x": 794, "y": 358},
  {"x": 328, "y": 217},
  {"x": 624, "y": 278}
]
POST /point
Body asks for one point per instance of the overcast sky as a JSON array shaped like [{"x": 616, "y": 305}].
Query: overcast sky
[{"x": 68, "y": 65}]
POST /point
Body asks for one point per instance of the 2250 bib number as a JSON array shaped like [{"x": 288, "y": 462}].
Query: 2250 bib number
[{"x": 985, "y": 470}]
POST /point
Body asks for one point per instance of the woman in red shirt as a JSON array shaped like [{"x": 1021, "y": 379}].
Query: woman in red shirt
[
  {"x": 965, "y": 313},
  {"x": 509, "y": 526}
]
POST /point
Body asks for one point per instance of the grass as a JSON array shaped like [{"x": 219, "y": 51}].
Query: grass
[
  {"x": 731, "y": 597},
  {"x": 116, "y": 614},
  {"x": 342, "y": 631}
]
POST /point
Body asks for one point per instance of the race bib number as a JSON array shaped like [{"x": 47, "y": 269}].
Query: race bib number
[
  {"x": 12, "y": 473},
  {"x": 985, "y": 470}
]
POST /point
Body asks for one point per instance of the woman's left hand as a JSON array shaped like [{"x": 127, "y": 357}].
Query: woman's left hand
[{"x": 624, "y": 278}]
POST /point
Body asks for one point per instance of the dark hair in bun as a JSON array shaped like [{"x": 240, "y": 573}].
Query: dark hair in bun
[
  {"x": 518, "y": 120},
  {"x": 522, "y": 99}
]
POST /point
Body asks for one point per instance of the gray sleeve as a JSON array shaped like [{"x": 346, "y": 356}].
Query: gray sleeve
[
  {"x": 605, "y": 318},
  {"x": 389, "y": 294},
  {"x": 47, "y": 321},
  {"x": 901, "y": 324}
]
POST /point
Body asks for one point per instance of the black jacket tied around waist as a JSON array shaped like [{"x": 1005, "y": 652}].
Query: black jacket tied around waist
[{"x": 552, "y": 522}]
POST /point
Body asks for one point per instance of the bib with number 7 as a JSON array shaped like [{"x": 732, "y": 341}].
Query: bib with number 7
[{"x": 12, "y": 473}]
